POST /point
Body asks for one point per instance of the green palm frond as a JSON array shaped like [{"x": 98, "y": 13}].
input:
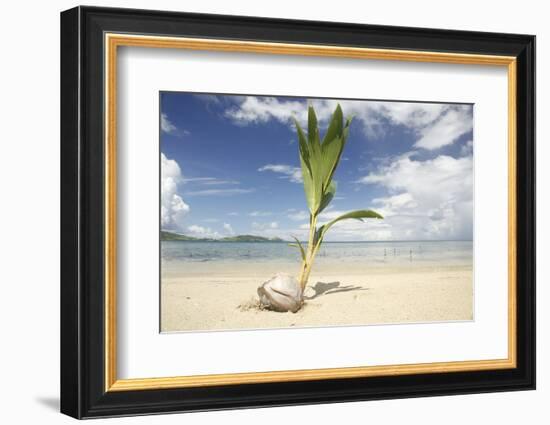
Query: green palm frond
[
  {"x": 319, "y": 161},
  {"x": 298, "y": 244},
  {"x": 357, "y": 215}
]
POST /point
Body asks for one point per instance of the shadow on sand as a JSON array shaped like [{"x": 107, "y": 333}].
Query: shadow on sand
[{"x": 323, "y": 288}]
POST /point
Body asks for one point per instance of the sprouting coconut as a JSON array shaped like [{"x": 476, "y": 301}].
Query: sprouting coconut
[
  {"x": 319, "y": 161},
  {"x": 281, "y": 293}
]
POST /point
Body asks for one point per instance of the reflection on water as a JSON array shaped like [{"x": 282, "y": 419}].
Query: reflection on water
[{"x": 419, "y": 252}]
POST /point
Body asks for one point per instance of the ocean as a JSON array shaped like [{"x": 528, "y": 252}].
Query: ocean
[{"x": 375, "y": 253}]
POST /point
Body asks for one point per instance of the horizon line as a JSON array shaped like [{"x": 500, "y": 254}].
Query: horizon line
[{"x": 305, "y": 241}]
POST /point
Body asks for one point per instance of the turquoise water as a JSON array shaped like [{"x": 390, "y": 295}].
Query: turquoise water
[{"x": 418, "y": 252}]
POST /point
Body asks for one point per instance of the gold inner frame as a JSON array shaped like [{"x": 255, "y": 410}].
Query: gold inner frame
[{"x": 113, "y": 41}]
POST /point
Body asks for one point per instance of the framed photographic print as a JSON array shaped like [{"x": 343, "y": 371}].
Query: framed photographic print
[{"x": 261, "y": 212}]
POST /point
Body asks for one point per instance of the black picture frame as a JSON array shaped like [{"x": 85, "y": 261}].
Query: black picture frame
[{"x": 83, "y": 392}]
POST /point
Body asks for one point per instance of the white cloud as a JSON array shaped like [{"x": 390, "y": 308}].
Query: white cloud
[
  {"x": 294, "y": 174},
  {"x": 410, "y": 114},
  {"x": 276, "y": 229},
  {"x": 228, "y": 229},
  {"x": 372, "y": 115},
  {"x": 202, "y": 187},
  {"x": 206, "y": 232},
  {"x": 430, "y": 199},
  {"x": 202, "y": 232},
  {"x": 260, "y": 213},
  {"x": 219, "y": 192},
  {"x": 331, "y": 214},
  {"x": 262, "y": 109},
  {"x": 173, "y": 208},
  {"x": 352, "y": 230},
  {"x": 447, "y": 129},
  {"x": 435, "y": 124},
  {"x": 208, "y": 98},
  {"x": 401, "y": 202},
  {"x": 298, "y": 216},
  {"x": 355, "y": 230},
  {"x": 209, "y": 181},
  {"x": 165, "y": 124},
  {"x": 264, "y": 226},
  {"x": 168, "y": 127}
]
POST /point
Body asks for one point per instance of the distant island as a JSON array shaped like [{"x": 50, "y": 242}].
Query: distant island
[{"x": 171, "y": 236}]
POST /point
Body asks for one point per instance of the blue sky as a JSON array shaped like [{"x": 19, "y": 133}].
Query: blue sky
[{"x": 229, "y": 165}]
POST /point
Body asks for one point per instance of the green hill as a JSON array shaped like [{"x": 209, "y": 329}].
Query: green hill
[{"x": 171, "y": 236}]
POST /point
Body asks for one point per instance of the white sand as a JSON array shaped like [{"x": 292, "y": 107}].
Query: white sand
[{"x": 221, "y": 296}]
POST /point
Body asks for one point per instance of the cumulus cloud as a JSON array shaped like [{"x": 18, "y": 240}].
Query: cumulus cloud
[
  {"x": 446, "y": 129},
  {"x": 202, "y": 232},
  {"x": 402, "y": 202},
  {"x": 430, "y": 199},
  {"x": 228, "y": 229},
  {"x": 173, "y": 208},
  {"x": 209, "y": 233},
  {"x": 294, "y": 174},
  {"x": 434, "y": 124}
]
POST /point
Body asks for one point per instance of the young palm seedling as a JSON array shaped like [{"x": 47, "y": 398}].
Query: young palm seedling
[{"x": 319, "y": 160}]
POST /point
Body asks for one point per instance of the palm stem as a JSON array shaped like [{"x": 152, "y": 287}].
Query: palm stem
[{"x": 310, "y": 254}]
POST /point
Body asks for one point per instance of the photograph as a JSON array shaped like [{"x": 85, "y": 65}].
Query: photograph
[{"x": 281, "y": 212}]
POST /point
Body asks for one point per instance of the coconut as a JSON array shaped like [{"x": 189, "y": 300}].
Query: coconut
[{"x": 281, "y": 293}]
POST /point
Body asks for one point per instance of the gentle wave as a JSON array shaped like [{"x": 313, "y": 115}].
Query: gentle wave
[{"x": 424, "y": 252}]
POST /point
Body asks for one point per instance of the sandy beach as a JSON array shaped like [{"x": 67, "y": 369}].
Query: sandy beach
[{"x": 222, "y": 295}]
